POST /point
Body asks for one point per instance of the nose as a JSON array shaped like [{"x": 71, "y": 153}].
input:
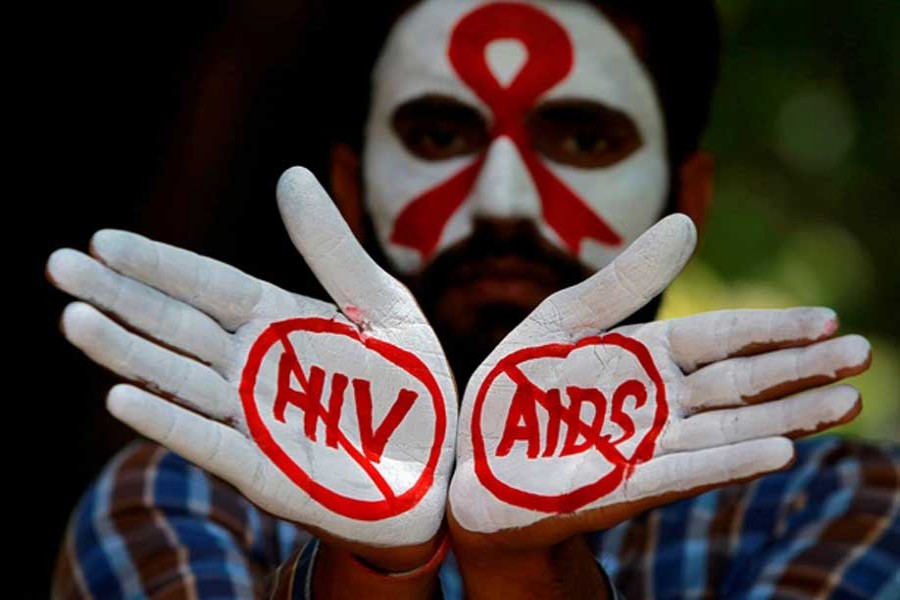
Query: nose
[{"x": 504, "y": 188}]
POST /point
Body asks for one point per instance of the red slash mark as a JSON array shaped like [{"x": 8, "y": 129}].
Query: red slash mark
[
  {"x": 550, "y": 57},
  {"x": 522, "y": 422},
  {"x": 308, "y": 397},
  {"x": 581, "y": 436}
]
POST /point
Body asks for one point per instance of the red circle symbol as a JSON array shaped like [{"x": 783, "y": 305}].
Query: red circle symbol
[
  {"x": 391, "y": 503},
  {"x": 576, "y": 498}
]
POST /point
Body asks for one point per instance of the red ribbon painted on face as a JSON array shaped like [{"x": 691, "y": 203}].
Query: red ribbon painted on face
[{"x": 420, "y": 225}]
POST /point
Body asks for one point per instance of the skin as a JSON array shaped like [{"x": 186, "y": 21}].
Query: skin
[
  {"x": 535, "y": 561},
  {"x": 547, "y": 558}
]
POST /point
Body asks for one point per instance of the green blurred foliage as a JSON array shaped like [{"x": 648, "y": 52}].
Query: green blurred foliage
[{"x": 806, "y": 134}]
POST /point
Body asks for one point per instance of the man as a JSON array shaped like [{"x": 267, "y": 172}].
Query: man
[{"x": 515, "y": 157}]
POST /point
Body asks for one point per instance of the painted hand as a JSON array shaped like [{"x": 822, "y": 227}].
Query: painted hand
[
  {"x": 572, "y": 425},
  {"x": 340, "y": 416}
]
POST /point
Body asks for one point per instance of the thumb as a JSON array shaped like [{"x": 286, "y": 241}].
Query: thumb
[
  {"x": 361, "y": 289},
  {"x": 636, "y": 276}
]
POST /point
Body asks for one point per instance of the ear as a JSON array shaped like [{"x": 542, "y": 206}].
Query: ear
[
  {"x": 346, "y": 188},
  {"x": 695, "y": 195}
]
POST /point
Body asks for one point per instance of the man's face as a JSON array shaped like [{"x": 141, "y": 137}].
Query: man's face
[{"x": 511, "y": 149}]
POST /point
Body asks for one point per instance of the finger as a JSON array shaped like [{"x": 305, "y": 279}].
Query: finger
[
  {"x": 755, "y": 379},
  {"x": 140, "y": 360},
  {"x": 679, "y": 475},
  {"x": 173, "y": 323},
  {"x": 213, "y": 446},
  {"x": 801, "y": 414},
  {"x": 708, "y": 337},
  {"x": 362, "y": 290},
  {"x": 226, "y": 294},
  {"x": 637, "y": 275}
]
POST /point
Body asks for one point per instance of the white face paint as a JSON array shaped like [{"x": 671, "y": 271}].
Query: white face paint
[{"x": 503, "y": 179}]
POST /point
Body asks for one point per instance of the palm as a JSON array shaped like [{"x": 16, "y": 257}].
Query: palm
[
  {"x": 337, "y": 415},
  {"x": 570, "y": 415}
]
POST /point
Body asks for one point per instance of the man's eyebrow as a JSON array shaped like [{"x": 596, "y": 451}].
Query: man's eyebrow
[
  {"x": 576, "y": 107},
  {"x": 429, "y": 104},
  {"x": 584, "y": 111}
]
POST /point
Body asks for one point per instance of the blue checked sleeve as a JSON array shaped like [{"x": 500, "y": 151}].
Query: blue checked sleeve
[
  {"x": 835, "y": 532},
  {"x": 152, "y": 525}
]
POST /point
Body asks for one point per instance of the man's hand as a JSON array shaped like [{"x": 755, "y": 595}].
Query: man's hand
[
  {"x": 572, "y": 426},
  {"x": 338, "y": 416}
]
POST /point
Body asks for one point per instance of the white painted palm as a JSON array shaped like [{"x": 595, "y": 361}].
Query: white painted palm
[
  {"x": 571, "y": 415},
  {"x": 339, "y": 416}
]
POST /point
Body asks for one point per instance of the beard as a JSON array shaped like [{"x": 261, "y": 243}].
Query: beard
[{"x": 478, "y": 290}]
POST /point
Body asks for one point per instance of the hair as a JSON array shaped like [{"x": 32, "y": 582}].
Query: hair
[{"x": 680, "y": 48}]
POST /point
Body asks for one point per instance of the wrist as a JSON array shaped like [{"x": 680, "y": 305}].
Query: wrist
[
  {"x": 512, "y": 563},
  {"x": 408, "y": 564},
  {"x": 502, "y": 563},
  {"x": 379, "y": 572}
]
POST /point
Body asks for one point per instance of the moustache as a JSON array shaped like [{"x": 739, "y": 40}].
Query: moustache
[{"x": 502, "y": 249}]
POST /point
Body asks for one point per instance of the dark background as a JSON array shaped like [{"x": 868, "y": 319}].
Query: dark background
[{"x": 175, "y": 120}]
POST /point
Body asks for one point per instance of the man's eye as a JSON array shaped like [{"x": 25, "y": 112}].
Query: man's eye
[
  {"x": 438, "y": 128},
  {"x": 585, "y": 142},
  {"x": 582, "y": 133},
  {"x": 437, "y": 140}
]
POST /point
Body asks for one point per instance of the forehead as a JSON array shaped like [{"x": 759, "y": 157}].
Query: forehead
[{"x": 414, "y": 60}]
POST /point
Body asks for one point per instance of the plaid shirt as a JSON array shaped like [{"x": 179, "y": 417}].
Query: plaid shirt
[{"x": 153, "y": 525}]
